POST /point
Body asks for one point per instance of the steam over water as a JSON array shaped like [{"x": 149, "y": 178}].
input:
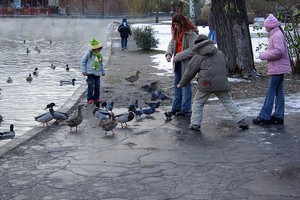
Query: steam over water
[{"x": 61, "y": 41}]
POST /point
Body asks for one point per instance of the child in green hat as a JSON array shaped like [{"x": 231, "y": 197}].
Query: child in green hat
[{"x": 91, "y": 65}]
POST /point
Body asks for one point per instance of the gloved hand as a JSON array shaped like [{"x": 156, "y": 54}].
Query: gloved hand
[{"x": 168, "y": 58}]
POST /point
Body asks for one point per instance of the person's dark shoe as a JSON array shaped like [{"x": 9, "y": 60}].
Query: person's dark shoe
[
  {"x": 183, "y": 114},
  {"x": 260, "y": 121},
  {"x": 194, "y": 127},
  {"x": 243, "y": 124},
  {"x": 173, "y": 112},
  {"x": 277, "y": 120}
]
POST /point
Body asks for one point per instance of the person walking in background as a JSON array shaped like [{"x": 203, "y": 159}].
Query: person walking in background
[
  {"x": 210, "y": 64},
  {"x": 277, "y": 56},
  {"x": 180, "y": 47},
  {"x": 91, "y": 65},
  {"x": 212, "y": 35},
  {"x": 125, "y": 31}
]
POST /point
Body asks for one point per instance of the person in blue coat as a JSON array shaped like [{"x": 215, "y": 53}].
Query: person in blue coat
[
  {"x": 91, "y": 65},
  {"x": 125, "y": 31}
]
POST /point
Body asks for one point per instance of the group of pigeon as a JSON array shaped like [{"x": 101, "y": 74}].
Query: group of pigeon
[
  {"x": 108, "y": 120},
  {"x": 155, "y": 94}
]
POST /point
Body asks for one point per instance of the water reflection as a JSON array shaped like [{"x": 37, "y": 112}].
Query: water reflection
[{"x": 61, "y": 42}]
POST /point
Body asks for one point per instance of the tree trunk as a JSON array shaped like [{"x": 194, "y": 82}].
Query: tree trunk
[{"x": 233, "y": 36}]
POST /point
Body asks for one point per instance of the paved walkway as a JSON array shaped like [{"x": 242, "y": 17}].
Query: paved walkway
[{"x": 156, "y": 159}]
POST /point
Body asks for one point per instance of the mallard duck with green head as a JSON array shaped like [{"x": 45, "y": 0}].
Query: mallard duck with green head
[{"x": 46, "y": 117}]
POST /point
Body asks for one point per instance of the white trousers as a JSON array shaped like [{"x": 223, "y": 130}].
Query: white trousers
[{"x": 201, "y": 98}]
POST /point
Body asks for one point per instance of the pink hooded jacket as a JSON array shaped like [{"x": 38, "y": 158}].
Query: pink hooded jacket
[{"x": 277, "y": 54}]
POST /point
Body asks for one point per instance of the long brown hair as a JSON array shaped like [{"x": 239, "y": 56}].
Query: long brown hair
[{"x": 184, "y": 25}]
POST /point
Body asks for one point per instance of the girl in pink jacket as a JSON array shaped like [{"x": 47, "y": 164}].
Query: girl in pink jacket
[{"x": 277, "y": 56}]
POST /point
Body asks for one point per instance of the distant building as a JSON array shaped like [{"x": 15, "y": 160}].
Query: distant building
[{"x": 104, "y": 8}]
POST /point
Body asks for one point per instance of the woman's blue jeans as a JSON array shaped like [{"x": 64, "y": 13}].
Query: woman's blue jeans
[
  {"x": 182, "y": 99},
  {"x": 212, "y": 35},
  {"x": 93, "y": 87},
  {"x": 274, "y": 93}
]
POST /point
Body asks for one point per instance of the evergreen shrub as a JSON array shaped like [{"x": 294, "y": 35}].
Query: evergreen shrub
[{"x": 145, "y": 38}]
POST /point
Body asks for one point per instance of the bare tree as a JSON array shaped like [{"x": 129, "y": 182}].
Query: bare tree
[{"x": 233, "y": 36}]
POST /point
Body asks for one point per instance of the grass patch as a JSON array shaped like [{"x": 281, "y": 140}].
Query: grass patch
[{"x": 114, "y": 79}]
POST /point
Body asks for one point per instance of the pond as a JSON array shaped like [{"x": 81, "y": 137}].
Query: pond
[{"x": 51, "y": 41}]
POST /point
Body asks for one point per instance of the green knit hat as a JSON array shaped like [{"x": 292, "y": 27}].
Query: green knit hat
[{"x": 95, "y": 44}]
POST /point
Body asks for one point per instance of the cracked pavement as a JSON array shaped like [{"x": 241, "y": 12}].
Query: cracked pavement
[{"x": 156, "y": 159}]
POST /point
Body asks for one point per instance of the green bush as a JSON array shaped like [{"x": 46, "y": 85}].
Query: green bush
[{"x": 145, "y": 38}]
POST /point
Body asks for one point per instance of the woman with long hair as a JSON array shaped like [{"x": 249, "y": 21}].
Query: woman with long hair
[{"x": 180, "y": 47}]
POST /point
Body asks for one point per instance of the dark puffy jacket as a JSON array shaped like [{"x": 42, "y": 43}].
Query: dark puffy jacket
[
  {"x": 210, "y": 64},
  {"x": 124, "y": 30}
]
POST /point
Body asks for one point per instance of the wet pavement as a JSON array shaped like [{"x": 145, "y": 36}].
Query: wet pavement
[{"x": 155, "y": 159}]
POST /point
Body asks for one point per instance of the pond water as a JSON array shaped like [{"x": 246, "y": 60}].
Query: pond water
[{"x": 61, "y": 42}]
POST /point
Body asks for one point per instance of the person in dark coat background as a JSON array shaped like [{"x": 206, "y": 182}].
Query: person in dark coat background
[
  {"x": 125, "y": 31},
  {"x": 212, "y": 35}
]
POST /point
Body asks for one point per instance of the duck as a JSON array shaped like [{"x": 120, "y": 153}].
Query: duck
[
  {"x": 1, "y": 119},
  {"x": 75, "y": 120},
  {"x": 8, "y": 134},
  {"x": 46, "y": 117},
  {"x": 24, "y": 41},
  {"x": 37, "y": 49},
  {"x": 110, "y": 124},
  {"x": 67, "y": 68},
  {"x": 52, "y": 66},
  {"x": 50, "y": 41},
  {"x": 9, "y": 80},
  {"x": 124, "y": 118},
  {"x": 28, "y": 51},
  {"x": 58, "y": 116},
  {"x": 29, "y": 78},
  {"x": 36, "y": 71},
  {"x": 101, "y": 114},
  {"x": 67, "y": 82},
  {"x": 133, "y": 78}
]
